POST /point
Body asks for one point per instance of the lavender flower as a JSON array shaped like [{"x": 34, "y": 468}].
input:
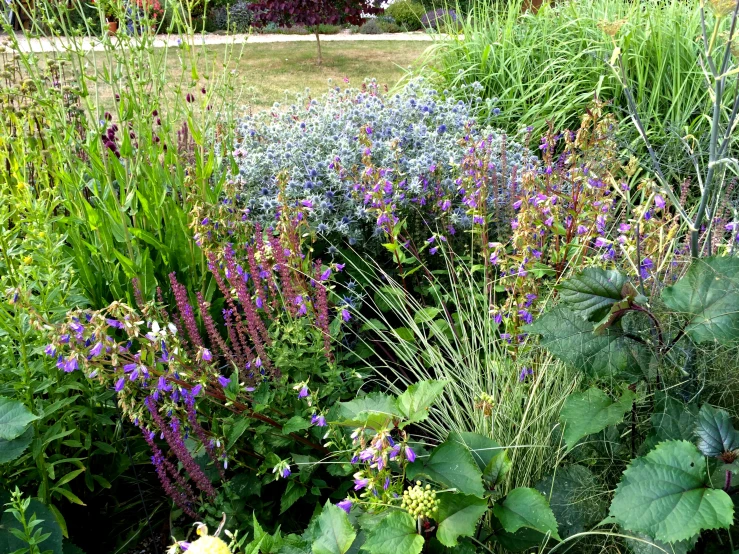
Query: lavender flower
[{"x": 345, "y": 505}]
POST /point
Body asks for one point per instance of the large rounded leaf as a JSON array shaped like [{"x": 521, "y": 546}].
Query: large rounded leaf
[
  {"x": 590, "y": 412},
  {"x": 396, "y": 534},
  {"x": 336, "y": 531},
  {"x": 592, "y": 292},
  {"x": 716, "y": 433},
  {"x": 666, "y": 496},
  {"x": 526, "y": 508},
  {"x": 14, "y": 417},
  {"x": 452, "y": 465},
  {"x": 12, "y": 449},
  {"x": 708, "y": 295},
  {"x": 458, "y": 516}
]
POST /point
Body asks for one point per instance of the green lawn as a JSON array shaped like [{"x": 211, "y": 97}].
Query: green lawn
[{"x": 268, "y": 70}]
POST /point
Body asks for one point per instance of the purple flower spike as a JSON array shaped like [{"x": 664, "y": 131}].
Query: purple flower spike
[{"x": 345, "y": 505}]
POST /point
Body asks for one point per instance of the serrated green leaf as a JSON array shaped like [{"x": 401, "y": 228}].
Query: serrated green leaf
[
  {"x": 590, "y": 412},
  {"x": 336, "y": 531},
  {"x": 524, "y": 507},
  {"x": 715, "y": 432},
  {"x": 708, "y": 295},
  {"x": 575, "y": 497},
  {"x": 609, "y": 354},
  {"x": 452, "y": 465},
  {"x": 373, "y": 410},
  {"x": 591, "y": 292},
  {"x": 458, "y": 516},
  {"x": 293, "y": 492},
  {"x": 396, "y": 534},
  {"x": 14, "y": 418},
  {"x": 641, "y": 544},
  {"x": 665, "y": 495},
  {"x": 415, "y": 402},
  {"x": 12, "y": 449},
  {"x": 295, "y": 424}
]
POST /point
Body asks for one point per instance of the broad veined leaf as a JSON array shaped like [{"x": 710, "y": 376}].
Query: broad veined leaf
[
  {"x": 641, "y": 544},
  {"x": 336, "y": 531},
  {"x": 452, "y": 465},
  {"x": 715, "y": 432},
  {"x": 666, "y": 496},
  {"x": 590, "y": 412},
  {"x": 591, "y": 292},
  {"x": 708, "y": 295},
  {"x": 396, "y": 534},
  {"x": 458, "y": 516},
  {"x": 607, "y": 354},
  {"x": 14, "y": 417},
  {"x": 491, "y": 458},
  {"x": 425, "y": 315},
  {"x": 295, "y": 424},
  {"x": 524, "y": 507},
  {"x": 373, "y": 410},
  {"x": 575, "y": 497},
  {"x": 12, "y": 449},
  {"x": 293, "y": 493},
  {"x": 414, "y": 403}
]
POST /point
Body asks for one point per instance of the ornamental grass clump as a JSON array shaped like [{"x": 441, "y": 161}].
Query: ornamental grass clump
[{"x": 416, "y": 138}]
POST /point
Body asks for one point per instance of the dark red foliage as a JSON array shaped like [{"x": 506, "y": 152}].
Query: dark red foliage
[{"x": 310, "y": 13}]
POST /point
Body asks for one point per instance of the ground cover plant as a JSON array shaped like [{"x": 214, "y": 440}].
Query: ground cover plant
[{"x": 383, "y": 319}]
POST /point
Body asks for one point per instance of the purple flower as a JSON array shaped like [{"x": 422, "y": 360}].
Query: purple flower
[
  {"x": 581, "y": 229},
  {"x": 70, "y": 365},
  {"x": 600, "y": 242},
  {"x": 50, "y": 350},
  {"x": 345, "y": 505},
  {"x": 646, "y": 266},
  {"x": 360, "y": 484},
  {"x": 303, "y": 392},
  {"x": 409, "y": 454},
  {"x": 345, "y": 315},
  {"x": 286, "y": 472},
  {"x": 525, "y": 372},
  {"x": 433, "y": 250},
  {"x": 325, "y": 275},
  {"x": 624, "y": 228},
  {"x": 223, "y": 381},
  {"x": 119, "y": 384},
  {"x": 318, "y": 420},
  {"x": 527, "y": 318},
  {"x": 659, "y": 201},
  {"x": 207, "y": 356},
  {"x": 96, "y": 350}
]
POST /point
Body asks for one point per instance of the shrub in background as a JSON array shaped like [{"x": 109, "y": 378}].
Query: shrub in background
[
  {"x": 407, "y": 14},
  {"x": 371, "y": 27},
  {"x": 440, "y": 20},
  {"x": 240, "y": 17},
  {"x": 414, "y": 140}
]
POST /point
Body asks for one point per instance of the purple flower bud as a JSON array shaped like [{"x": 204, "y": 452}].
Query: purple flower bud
[
  {"x": 207, "y": 356},
  {"x": 345, "y": 315},
  {"x": 409, "y": 454},
  {"x": 96, "y": 350},
  {"x": 286, "y": 472},
  {"x": 345, "y": 505},
  {"x": 223, "y": 381},
  {"x": 326, "y": 274},
  {"x": 120, "y": 384}
]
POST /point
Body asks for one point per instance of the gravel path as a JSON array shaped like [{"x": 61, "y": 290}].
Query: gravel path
[{"x": 94, "y": 43}]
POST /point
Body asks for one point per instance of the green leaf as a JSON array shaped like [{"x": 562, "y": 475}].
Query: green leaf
[
  {"x": 425, "y": 315},
  {"x": 672, "y": 419},
  {"x": 457, "y": 517},
  {"x": 665, "y": 495},
  {"x": 14, "y": 418},
  {"x": 293, "y": 492},
  {"x": 396, "y": 534},
  {"x": 708, "y": 295},
  {"x": 608, "y": 354},
  {"x": 452, "y": 465},
  {"x": 336, "y": 531},
  {"x": 374, "y": 410},
  {"x": 491, "y": 458},
  {"x": 235, "y": 432},
  {"x": 12, "y": 449},
  {"x": 527, "y": 508},
  {"x": 716, "y": 433},
  {"x": 414, "y": 403},
  {"x": 590, "y": 412},
  {"x": 575, "y": 498},
  {"x": 295, "y": 424},
  {"x": 69, "y": 548},
  {"x": 591, "y": 292}
]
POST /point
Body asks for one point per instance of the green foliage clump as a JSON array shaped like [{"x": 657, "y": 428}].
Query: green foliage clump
[
  {"x": 407, "y": 14},
  {"x": 371, "y": 27}
]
